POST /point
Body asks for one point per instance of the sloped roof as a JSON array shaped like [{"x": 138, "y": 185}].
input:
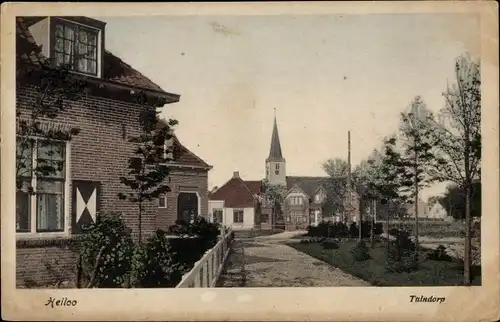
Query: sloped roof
[
  {"x": 310, "y": 185},
  {"x": 275, "y": 153},
  {"x": 184, "y": 156},
  {"x": 236, "y": 193},
  {"x": 181, "y": 154},
  {"x": 115, "y": 70},
  {"x": 255, "y": 186}
]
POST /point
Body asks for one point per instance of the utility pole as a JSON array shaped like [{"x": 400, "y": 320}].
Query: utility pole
[
  {"x": 349, "y": 201},
  {"x": 413, "y": 120},
  {"x": 373, "y": 211}
]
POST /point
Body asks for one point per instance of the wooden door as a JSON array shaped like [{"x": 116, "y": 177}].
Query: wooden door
[{"x": 187, "y": 206}]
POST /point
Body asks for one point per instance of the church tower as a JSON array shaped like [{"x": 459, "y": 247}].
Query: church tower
[{"x": 275, "y": 163}]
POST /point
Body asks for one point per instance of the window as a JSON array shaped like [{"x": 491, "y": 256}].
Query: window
[
  {"x": 277, "y": 166},
  {"x": 277, "y": 169},
  {"x": 162, "y": 201},
  {"x": 41, "y": 178},
  {"x": 296, "y": 201},
  {"x": 76, "y": 46},
  {"x": 264, "y": 218},
  {"x": 217, "y": 215},
  {"x": 238, "y": 216}
]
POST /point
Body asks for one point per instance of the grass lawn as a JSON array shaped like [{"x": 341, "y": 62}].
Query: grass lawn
[{"x": 430, "y": 273}]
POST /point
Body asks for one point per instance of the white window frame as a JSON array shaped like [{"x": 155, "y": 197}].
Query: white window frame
[
  {"x": 164, "y": 197},
  {"x": 56, "y": 20},
  {"x": 67, "y": 192},
  {"x": 242, "y": 216}
]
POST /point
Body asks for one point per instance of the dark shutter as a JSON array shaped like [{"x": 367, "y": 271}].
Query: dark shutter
[{"x": 85, "y": 204}]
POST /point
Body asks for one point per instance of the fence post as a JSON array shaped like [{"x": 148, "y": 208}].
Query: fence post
[
  {"x": 209, "y": 270},
  {"x": 206, "y": 271}
]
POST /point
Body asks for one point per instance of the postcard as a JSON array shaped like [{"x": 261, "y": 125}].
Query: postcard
[{"x": 279, "y": 161}]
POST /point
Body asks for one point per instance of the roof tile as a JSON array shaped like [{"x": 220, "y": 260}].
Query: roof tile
[
  {"x": 235, "y": 194},
  {"x": 115, "y": 69}
]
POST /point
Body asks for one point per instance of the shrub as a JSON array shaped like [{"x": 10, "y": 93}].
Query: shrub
[
  {"x": 106, "y": 253},
  {"x": 329, "y": 244},
  {"x": 353, "y": 230},
  {"x": 311, "y": 240},
  {"x": 439, "y": 254},
  {"x": 360, "y": 252},
  {"x": 400, "y": 256},
  {"x": 207, "y": 232},
  {"x": 155, "y": 263},
  {"x": 378, "y": 229},
  {"x": 405, "y": 263}
]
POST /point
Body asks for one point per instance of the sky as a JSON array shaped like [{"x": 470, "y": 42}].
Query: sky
[{"x": 322, "y": 75}]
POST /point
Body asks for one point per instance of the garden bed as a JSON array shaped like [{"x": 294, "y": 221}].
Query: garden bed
[{"x": 373, "y": 270}]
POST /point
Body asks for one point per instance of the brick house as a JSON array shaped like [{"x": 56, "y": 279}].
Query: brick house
[{"x": 107, "y": 116}]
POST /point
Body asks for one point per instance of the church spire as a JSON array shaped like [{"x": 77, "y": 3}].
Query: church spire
[{"x": 275, "y": 151}]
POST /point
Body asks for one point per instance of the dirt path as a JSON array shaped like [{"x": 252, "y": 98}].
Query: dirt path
[{"x": 268, "y": 262}]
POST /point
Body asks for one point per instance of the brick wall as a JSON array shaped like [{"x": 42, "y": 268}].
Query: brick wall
[
  {"x": 183, "y": 179},
  {"x": 100, "y": 152},
  {"x": 45, "y": 266}
]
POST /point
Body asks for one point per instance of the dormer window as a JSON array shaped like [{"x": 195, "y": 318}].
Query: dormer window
[{"x": 76, "y": 45}]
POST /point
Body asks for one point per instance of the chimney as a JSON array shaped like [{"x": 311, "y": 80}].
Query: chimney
[{"x": 236, "y": 174}]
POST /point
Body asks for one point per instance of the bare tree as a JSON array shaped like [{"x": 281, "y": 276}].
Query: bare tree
[{"x": 456, "y": 134}]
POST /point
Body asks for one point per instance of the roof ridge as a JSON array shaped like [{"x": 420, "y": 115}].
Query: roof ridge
[
  {"x": 253, "y": 196},
  {"x": 222, "y": 186}
]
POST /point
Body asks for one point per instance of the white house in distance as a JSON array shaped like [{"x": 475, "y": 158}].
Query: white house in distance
[
  {"x": 437, "y": 211},
  {"x": 236, "y": 204}
]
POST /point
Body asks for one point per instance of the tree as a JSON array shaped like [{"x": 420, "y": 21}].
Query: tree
[
  {"x": 336, "y": 167},
  {"x": 456, "y": 138},
  {"x": 55, "y": 90},
  {"x": 338, "y": 170},
  {"x": 387, "y": 180},
  {"x": 148, "y": 167},
  {"x": 274, "y": 195},
  {"x": 416, "y": 157},
  {"x": 364, "y": 176},
  {"x": 454, "y": 200}
]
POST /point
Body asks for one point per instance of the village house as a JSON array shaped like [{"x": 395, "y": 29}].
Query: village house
[
  {"x": 236, "y": 203},
  {"x": 307, "y": 200},
  {"x": 107, "y": 115}
]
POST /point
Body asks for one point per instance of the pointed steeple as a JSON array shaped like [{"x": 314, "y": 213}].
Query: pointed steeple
[{"x": 275, "y": 151}]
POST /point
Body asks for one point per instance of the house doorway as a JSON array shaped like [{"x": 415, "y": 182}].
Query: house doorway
[{"x": 187, "y": 206}]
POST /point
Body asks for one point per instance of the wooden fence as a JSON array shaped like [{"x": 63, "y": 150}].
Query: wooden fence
[{"x": 207, "y": 270}]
